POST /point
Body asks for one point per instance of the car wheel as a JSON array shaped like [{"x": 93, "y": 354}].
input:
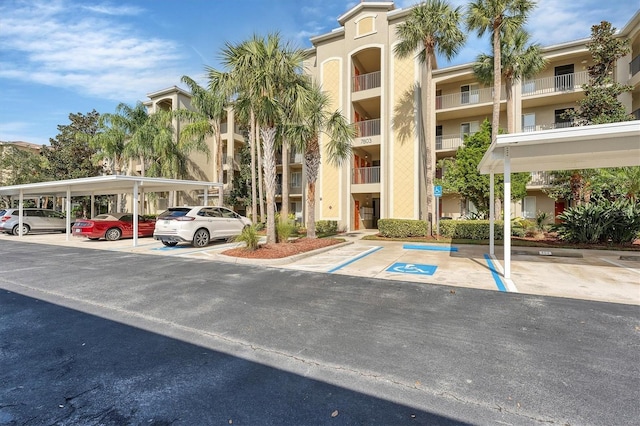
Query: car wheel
[
  {"x": 16, "y": 229},
  {"x": 170, "y": 243},
  {"x": 113, "y": 234},
  {"x": 201, "y": 238}
]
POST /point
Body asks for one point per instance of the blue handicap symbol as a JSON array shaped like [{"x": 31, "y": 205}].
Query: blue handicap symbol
[{"x": 412, "y": 268}]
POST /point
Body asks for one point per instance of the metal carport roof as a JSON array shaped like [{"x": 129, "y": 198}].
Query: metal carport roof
[
  {"x": 104, "y": 185},
  {"x": 585, "y": 147}
]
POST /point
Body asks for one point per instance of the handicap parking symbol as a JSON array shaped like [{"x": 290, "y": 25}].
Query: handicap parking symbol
[{"x": 412, "y": 268}]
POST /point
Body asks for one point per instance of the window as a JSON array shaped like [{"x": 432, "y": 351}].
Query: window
[
  {"x": 528, "y": 122},
  {"x": 529, "y": 207},
  {"x": 469, "y": 94},
  {"x": 468, "y": 128},
  {"x": 559, "y": 120},
  {"x": 295, "y": 180},
  {"x": 564, "y": 78},
  {"x": 439, "y": 137}
]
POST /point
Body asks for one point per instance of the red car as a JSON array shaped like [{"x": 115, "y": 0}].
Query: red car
[{"x": 112, "y": 227}]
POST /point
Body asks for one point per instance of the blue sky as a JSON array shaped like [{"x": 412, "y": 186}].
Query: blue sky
[{"x": 67, "y": 56}]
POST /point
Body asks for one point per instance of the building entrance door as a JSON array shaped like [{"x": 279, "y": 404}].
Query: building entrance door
[{"x": 356, "y": 215}]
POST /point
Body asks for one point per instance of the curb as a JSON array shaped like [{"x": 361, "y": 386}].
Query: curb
[{"x": 280, "y": 261}]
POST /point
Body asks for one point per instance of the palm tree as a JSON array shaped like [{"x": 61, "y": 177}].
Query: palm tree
[
  {"x": 210, "y": 109},
  {"x": 432, "y": 27},
  {"x": 519, "y": 61},
  {"x": 310, "y": 119},
  {"x": 263, "y": 68},
  {"x": 503, "y": 18},
  {"x": 110, "y": 141}
]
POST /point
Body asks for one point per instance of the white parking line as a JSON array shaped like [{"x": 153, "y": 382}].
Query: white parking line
[{"x": 620, "y": 265}]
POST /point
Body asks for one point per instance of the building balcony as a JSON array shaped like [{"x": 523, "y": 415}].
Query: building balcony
[
  {"x": 363, "y": 175},
  {"x": 539, "y": 180},
  {"x": 467, "y": 99},
  {"x": 365, "y": 81},
  {"x": 557, "y": 84},
  {"x": 547, "y": 126},
  {"x": 295, "y": 189},
  {"x": 367, "y": 132},
  {"x": 448, "y": 142},
  {"x": 634, "y": 66}
]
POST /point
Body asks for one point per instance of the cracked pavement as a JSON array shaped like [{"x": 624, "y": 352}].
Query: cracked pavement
[{"x": 95, "y": 337}]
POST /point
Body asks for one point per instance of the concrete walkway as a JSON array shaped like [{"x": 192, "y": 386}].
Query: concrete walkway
[{"x": 599, "y": 275}]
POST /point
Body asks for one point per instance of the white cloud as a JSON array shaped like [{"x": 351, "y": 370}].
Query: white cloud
[{"x": 92, "y": 53}]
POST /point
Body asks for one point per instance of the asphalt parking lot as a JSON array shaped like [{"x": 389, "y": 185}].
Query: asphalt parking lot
[{"x": 598, "y": 275}]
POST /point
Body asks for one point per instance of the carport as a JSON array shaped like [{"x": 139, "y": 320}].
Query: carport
[
  {"x": 103, "y": 185},
  {"x": 586, "y": 147}
]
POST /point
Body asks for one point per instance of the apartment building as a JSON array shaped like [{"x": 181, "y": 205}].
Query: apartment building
[{"x": 356, "y": 65}]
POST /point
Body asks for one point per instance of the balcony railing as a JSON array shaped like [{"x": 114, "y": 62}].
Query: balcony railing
[
  {"x": 540, "y": 179},
  {"x": 634, "y": 65},
  {"x": 472, "y": 97},
  {"x": 559, "y": 83},
  {"x": 367, "y": 128},
  {"x": 547, "y": 126},
  {"x": 294, "y": 189},
  {"x": 296, "y": 158},
  {"x": 365, "y": 81},
  {"x": 448, "y": 142},
  {"x": 362, "y": 175}
]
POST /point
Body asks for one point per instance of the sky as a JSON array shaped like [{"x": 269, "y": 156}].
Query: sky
[{"x": 59, "y": 57}]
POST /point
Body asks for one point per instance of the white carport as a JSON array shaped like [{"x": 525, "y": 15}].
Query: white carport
[
  {"x": 586, "y": 147},
  {"x": 104, "y": 185}
]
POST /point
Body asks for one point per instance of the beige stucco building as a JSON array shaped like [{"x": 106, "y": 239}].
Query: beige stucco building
[{"x": 356, "y": 65}]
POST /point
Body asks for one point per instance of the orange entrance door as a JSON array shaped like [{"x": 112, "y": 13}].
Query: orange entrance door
[
  {"x": 356, "y": 215},
  {"x": 558, "y": 209}
]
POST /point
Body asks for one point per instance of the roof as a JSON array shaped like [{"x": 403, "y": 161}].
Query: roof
[
  {"x": 105, "y": 185},
  {"x": 585, "y": 147}
]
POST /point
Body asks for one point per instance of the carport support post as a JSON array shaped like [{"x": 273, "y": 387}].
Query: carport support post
[
  {"x": 492, "y": 214},
  {"x": 20, "y": 213},
  {"x": 507, "y": 214},
  {"x": 135, "y": 213},
  {"x": 93, "y": 206},
  {"x": 68, "y": 201}
]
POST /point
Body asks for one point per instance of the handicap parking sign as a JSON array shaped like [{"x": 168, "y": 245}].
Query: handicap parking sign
[
  {"x": 437, "y": 191},
  {"x": 412, "y": 268}
]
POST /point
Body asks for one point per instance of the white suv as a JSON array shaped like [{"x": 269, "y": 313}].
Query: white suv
[{"x": 198, "y": 225}]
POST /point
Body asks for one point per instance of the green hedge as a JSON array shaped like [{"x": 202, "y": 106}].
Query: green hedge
[
  {"x": 326, "y": 227},
  {"x": 470, "y": 229},
  {"x": 402, "y": 228}
]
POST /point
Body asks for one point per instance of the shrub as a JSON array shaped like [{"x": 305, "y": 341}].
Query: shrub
[
  {"x": 326, "y": 227},
  {"x": 402, "y": 228},
  {"x": 250, "y": 237},
  {"x": 600, "y": 221},
  {"x": 285, "y": 228},
  {"x": 470, "y": 229}
]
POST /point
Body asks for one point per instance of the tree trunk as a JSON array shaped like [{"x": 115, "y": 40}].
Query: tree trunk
[
  {"x": 260, "y": 176},
  {"x": 284, "y": 210},
  {"x": 253, "y": 142},
  {"x": 268, "y": 140},
  {"x": 216, "y": 129},
  {"x": 312, "y": 165},
  {"x": 497, "y": 70},
  {"x": 430, "y": 160}
]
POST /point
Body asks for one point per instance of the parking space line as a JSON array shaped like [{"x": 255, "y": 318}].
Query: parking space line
[
  {"x": 620, "y": 265},
  {"x": 494, "y": 273},
  {"x": 355, "y": 259},
  {"x": 425, "y": 247}
]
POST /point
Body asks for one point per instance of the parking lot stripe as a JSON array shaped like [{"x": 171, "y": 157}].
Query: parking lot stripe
[
  {"x": 620, "y": 265},
  {"x": 350, "y": 261},
  {"x": 432, "y": 248},
  {"x": 494, "y": 273}
]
